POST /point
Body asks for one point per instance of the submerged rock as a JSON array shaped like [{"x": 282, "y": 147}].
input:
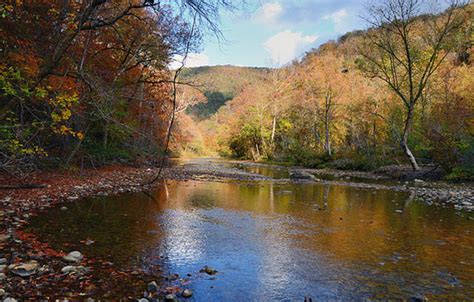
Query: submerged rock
[
  {"x": 24, "y": 269},
  {"x": 208, "y": 270},
  {"x": 74, "y": 256},
  {"x": 301, "y": 175},
  {"x": 172, "y": 277}
]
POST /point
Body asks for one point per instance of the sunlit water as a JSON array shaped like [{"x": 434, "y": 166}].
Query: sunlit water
[{"x": 277, "y": 241}]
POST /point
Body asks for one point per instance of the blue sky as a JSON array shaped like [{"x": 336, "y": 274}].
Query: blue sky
[{"x": 277, "y": 31}]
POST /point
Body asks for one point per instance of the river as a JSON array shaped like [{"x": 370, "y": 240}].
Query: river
[{"x": 276, "y": 240}]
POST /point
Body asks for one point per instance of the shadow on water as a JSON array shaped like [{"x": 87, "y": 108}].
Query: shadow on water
[{"x": 277, "y": 241}]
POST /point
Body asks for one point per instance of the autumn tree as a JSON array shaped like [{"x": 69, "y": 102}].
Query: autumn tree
[
  {"x": 323, "y": 84},
  {"x": 405, "y": 47}
]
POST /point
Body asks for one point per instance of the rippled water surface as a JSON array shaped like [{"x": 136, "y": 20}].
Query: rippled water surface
[{"x": 277, "y": 241}]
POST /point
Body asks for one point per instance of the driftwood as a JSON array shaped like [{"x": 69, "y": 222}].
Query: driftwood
[{"x": 22, "y": 186}]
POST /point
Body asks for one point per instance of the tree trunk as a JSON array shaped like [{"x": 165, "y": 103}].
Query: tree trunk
[
  {"x": 105, "y": 137},
  {"x": 273, "y": 129},
  {"x": 404, "y": 141},
  {"x": 327, "y": 121}
]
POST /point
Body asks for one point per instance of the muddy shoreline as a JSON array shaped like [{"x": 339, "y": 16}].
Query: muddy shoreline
[{"x": 48, "y": 279}]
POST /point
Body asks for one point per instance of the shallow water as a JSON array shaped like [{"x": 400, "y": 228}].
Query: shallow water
[
  {"x": 265, "y": 170},
  {"x": 277, "y": 241}
]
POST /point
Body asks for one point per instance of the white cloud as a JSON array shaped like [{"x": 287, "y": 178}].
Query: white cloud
[
  {"x": 269, "y": 13},
  {"x": 287, "y": 45},
  {"x": 340, "y": 19},
  {"x": 192, "y": 60}
]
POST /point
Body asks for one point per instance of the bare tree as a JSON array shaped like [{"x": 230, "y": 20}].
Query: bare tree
[{"x": 405, "y": 46}]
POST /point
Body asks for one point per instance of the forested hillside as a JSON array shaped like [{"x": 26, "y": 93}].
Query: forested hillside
[
  {"x": 87, "y": 83},
  {"x": 219, "y": 85},
  {"x": 365, "y": 101}
]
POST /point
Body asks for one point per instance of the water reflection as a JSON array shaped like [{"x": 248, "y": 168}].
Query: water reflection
[{"x": 278, "y": 241}]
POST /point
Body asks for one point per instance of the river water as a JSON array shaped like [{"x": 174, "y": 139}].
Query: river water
[{"x": 277, "y": 241}]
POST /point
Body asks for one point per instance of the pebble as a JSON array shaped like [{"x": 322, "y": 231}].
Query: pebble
[
  {"x": 9, "y": 300},
  {"x": 74, "y": 256},
  {"x": 63, "y": 208},
  {"x": 2, "y": 292},
  {"x": 24, "y": 269},
  {"x": 171, "y": 298},
  {"x": 69, "y": 269},
  {"x": 2, "y": 267},
  {"x": 4, "y": 237},
  {"x": 399, "y": 211},
  {"x": 2, "y": 276},
  {"x": 187, "y": 293},
  {"x": 152, "y": 287}
]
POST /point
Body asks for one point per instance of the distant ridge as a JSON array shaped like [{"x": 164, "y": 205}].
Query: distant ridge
[{"x": 220, "y": 84}]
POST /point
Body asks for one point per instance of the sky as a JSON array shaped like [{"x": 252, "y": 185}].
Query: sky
[{"x": 276, "y": 32}]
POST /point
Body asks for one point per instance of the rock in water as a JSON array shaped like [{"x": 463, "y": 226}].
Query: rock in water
[
  {"x": 152, "y": 287},
  {"x": 24, "y": 269},
  {"x": 301, "y": 175},
  {"x": 74, "y": 256},
  {"x": 208, "y": 270},
  {"x": 187, "y": 293}
]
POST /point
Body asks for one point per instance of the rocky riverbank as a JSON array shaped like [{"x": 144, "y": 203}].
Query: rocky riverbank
[
  {"x": 422, "y": 185},
  {"x": 32, "y": 270}
]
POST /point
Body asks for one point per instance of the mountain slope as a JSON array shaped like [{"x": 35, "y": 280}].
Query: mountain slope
[{"x": 219, "y": 84}]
